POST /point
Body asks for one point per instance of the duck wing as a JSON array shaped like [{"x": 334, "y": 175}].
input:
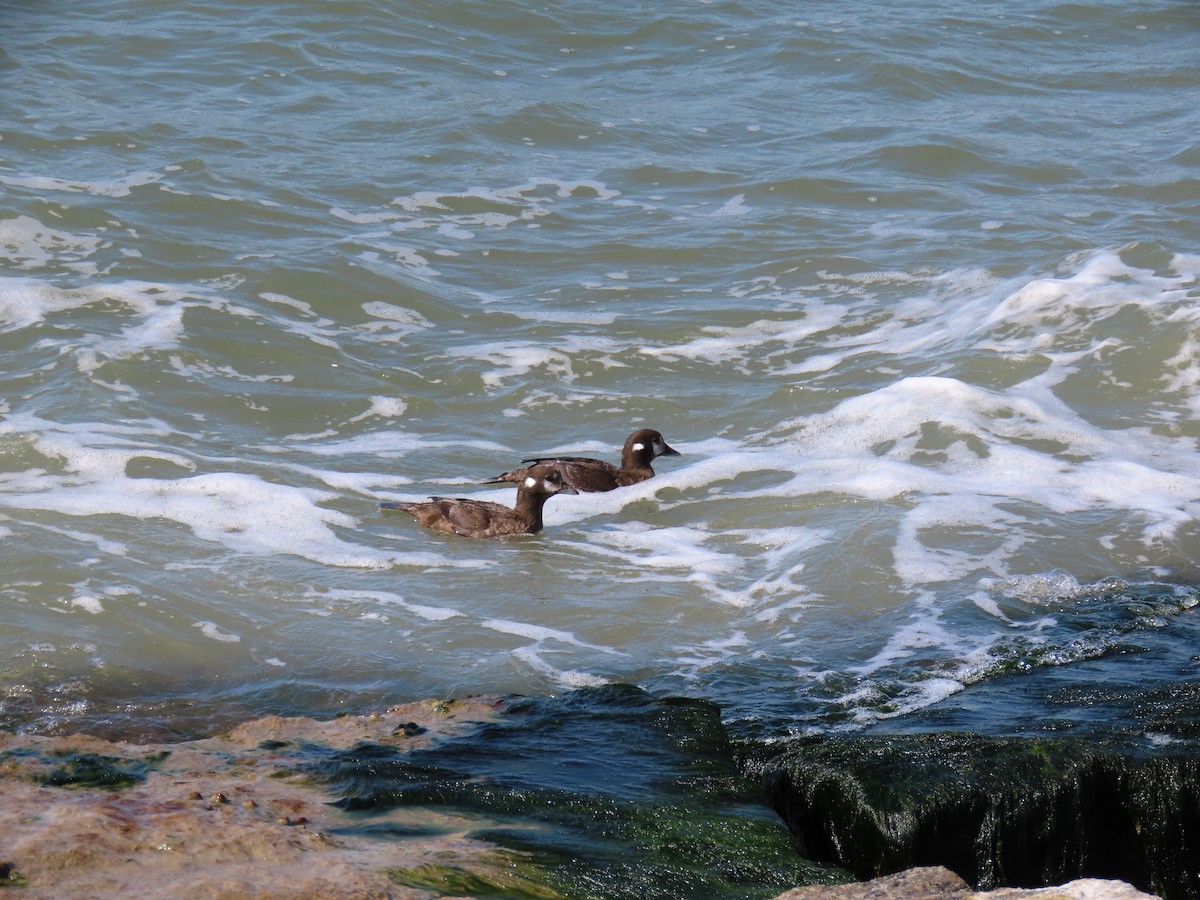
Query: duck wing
[
  {"x": 587, "y": 460},
  {"x": 562, "y": 463},
  {"x": 584, "y": 474},
  {"x": 469, "y": 517}
]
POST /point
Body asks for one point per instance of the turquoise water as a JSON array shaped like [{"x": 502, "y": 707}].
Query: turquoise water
[{"x": 914, "y": 290}]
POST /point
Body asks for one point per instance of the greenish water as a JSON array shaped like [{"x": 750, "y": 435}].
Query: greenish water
[
  {"x": 603, "y": 793},
  {"x": 914, "y": 291}
]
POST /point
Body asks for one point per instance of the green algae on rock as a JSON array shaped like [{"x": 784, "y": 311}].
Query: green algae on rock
[
  {"x": 94, "y": 770},
  {"x": 999, "y": 811},
  {"x": 231, "y": 815},
  {"x": 603, "y": 792}
]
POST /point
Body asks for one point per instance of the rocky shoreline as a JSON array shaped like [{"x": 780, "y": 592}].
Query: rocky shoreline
[
  {"x": 996, "y": 810},
  {"x": 484, "y": 796},
  {"x": 223, "y": 817}
]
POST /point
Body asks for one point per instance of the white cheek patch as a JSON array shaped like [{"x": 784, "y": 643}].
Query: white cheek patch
[
  {"x": 531, "y": 482},
  {"x": 639, "y": 446}
]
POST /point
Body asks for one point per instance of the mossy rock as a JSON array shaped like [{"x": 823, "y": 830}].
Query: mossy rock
[
  {"x": 92, "y": 770},
  {"x": 1011, "y": 812}
]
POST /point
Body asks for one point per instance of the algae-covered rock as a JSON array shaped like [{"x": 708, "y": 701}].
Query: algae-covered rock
[
  {"x": 230, "y": 816},
  {"x": 603, "y": 793},
  {"x": 94, "y": 770},
  {"x": 998, "y": 811}
]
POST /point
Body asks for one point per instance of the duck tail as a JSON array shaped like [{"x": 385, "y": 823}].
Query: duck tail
[{"x": 506, "y": 478}]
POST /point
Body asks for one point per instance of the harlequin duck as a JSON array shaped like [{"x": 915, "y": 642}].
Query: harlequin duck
[
  {"x": 482, "y": 518},
  {"x": 592, "y": 475}
]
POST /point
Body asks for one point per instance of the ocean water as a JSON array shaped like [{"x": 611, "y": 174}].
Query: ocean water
[{"x": 914, "y": 289}]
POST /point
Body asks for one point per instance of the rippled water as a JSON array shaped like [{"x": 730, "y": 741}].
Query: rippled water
[{"x": 914, "y": 289}]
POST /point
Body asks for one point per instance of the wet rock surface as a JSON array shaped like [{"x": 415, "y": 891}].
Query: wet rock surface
[
  {"x": 997, "y": 811},
  {"x": 223, "y": 817},
  {"x": 937, "y": 883},
  {"x": 605, "y": 793}
]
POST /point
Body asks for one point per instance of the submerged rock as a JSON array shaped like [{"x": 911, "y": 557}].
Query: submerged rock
[
  {"x": 603, "y": 793},
  {"x": 222, "y": 817},
  {"x": 600, "y": 793},
  {"x": 997, "y": 811}
]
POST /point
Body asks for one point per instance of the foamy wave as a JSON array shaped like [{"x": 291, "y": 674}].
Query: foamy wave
[
  {"x": 541, "y": 634},
  {"x": 461, "y": 216},
  {"x": 533, "y": 659},
  {"x": 387, "y": 598},
  {"x": 27, "y": 243},
  {"x": 237, "y": 510},
  {"x": 965, "y": 455},
  {"x": 113, "y": 187}
]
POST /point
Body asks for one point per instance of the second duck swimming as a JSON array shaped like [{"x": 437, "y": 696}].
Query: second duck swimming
[{"x": 592, "y": 475}]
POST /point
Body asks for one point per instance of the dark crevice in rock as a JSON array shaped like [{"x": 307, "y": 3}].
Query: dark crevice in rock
[{"x": 1010, "y": 812}]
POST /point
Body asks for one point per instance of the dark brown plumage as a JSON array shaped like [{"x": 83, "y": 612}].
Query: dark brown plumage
[
  {"x": 592, "y": 475},
  {"x": 482, "y": 518}
]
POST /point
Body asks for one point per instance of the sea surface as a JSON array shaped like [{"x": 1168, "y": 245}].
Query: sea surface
[{"x": 913, "y": 287}]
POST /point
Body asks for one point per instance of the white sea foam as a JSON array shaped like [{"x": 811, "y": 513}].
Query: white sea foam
[
  {"x": 88, "y": 602},
  {"x": 541, "y": 634},
  {"x": 158, "y": 309},
  {"x": 429, "y": 613},
  {"x": 29, "y": 244},
  {"x": 393, "y": 321},
  {"x": 200, "y": 370},
  {"x": 383, "y": 408},
  {"x": 105, "y": 545},
  {"x": 383, "y": 443},
  {"x": 213, "y": 632},
  {"x": 240, "y": 511},
  {"x": 964, "y": 455},
  {"x": 91, "y": 599},
  {"x": 757, "y": 340},
  {"x": 566, "y": 316},
  {"x": 529, "y": 191},
  {"x": 364, "y": 218},
  {"x": 673, "y": 548},
  {"x": 734, "y": 206},
  {"x": 460, "y": 216},
  {"x": 568, "y": 679},
  {"x": 509, "y": 360},
  {"x": 26, "y": 301},
  {"x": 285, "y": 300},
  {"x": 113, "y": 187}
]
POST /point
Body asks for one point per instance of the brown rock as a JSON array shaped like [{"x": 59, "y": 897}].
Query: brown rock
[
  {"x": 937, "y": 883},
  {"x": 931, "y": 883},
  {"x": 1081, "y": 889},
  {"x": 154, "y": 839}
]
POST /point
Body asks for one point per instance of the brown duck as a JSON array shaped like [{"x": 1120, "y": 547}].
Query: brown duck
[
  {"x": 482, "y": 518},
  {"x": 591, "y": 475}
]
